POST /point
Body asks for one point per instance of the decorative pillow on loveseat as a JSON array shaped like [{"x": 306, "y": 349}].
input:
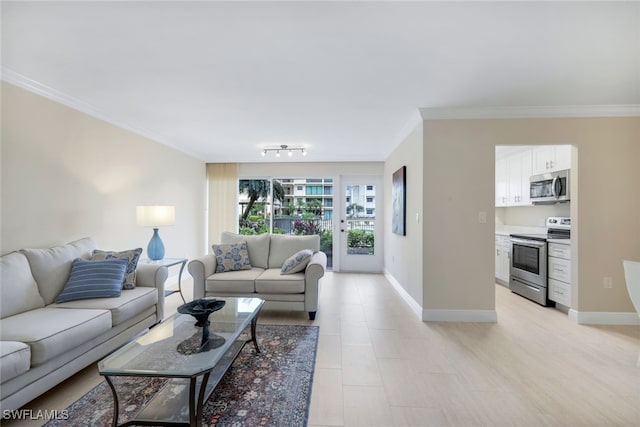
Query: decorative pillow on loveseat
[
  {"x": 132, "y": 256},
  {"x": 297, "y": 262},
  {"x": 232, "y": 257},
  {"x": 94, "y": 279}
]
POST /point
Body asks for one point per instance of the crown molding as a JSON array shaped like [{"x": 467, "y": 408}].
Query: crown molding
[
  {"x": 410, "y": 125},
  {"x": 565, "y": 111},
  {"x": 45, "y": 91}
]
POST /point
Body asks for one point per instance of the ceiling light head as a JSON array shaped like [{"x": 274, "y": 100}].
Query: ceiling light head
[
  {"x": 290, "y": 153},
  {"x": 277, "y": 153},
  {"x": 264, "y": 153},
  {"x": 304, "y": 153}
]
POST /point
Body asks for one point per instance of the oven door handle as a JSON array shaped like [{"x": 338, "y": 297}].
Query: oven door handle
[{"x": 529, "y": 242}]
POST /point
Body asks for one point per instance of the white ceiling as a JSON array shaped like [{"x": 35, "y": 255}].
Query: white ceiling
[{"x": 221, "y": 80}]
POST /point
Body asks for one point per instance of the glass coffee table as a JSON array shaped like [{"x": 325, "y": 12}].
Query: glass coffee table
[{"x": 172, "y": 350}]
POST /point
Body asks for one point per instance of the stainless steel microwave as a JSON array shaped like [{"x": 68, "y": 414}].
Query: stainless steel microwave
[{"x": 551, "y": 187}]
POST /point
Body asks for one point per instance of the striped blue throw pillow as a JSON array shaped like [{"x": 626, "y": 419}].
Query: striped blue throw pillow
[{"x": 94, "y": 279}]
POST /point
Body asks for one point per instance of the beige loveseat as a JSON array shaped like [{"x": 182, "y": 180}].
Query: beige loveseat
[
  {"x": 41, "y": 342},
  {"x": 263, "y": 279}
]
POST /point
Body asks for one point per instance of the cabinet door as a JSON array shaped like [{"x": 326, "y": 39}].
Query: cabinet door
[
  {"x": 559, "y": 269},
  {"x": 505, "y": 263},
  {"x": 559, "y": 250},
  {"x": 562, "y": 158},
  {"x": 514, "y": 176},
  {"x": 543, "y": 155},
  {"x": 526, "y": 169},
  {"x": 560, "y": 292},
  {"x": 498, "y": 262},
  {"x": 501, "y": 182}
]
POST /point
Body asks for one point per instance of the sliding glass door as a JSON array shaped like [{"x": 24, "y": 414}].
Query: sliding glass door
[{"x": 295, "y": 206}]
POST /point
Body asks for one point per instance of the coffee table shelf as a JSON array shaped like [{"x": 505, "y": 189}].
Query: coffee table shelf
[{"x": 192, "y": 377}]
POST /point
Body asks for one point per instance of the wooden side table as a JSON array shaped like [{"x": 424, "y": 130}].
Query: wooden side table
[{"x": 170, "y": 262}]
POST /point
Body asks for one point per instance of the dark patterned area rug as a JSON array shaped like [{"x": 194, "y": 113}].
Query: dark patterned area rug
[{"x": 272, "y": 388}]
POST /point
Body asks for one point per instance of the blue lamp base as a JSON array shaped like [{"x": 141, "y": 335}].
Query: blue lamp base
[{"x": 155, "y": 249}]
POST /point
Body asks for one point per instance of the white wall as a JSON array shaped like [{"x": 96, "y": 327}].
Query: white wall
[{"x": 67, "y": 175}]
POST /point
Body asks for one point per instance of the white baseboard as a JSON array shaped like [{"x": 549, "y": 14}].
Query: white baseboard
[
  {"x": 482, "y": 316},
  {"x": 413, "y": 304},
  {"x": 603, "y": 318}
]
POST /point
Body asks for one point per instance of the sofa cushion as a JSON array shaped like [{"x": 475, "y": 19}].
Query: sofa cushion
[
  {"x": 94, "y": 279},
  {"x": 49, "y": 332},
  {"x": 272, "y": 282},
  {"x": 130, "y": 303},
  {"x": 231, "y": 257},
  {"x": 51, "y": 267},
  {"x": 235, "y": 281},
  {"x": 282, "y": 247},
  {"x": 297, "y": 262},
  {"x": 19, "y": 291},
  {"x": 15, "y": 359},
  {"x": 257, "y": 245},
  {"x": 132, "y": 256}
]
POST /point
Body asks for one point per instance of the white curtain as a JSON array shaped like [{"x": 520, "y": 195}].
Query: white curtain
[{"x": 222, "y": 181}]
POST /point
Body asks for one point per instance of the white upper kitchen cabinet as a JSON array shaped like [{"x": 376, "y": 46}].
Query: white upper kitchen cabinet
[
  {"x": 502, "y": 188},
  {"x": 519, "y": 169},
  {"x": 512, "y": 179},
  {"x": 550, "y": 158}
]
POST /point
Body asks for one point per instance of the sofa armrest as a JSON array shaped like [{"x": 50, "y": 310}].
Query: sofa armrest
[
  {"x": 200, "y": 269},
  {"x": 312, "y": 274},
  {"x": 153, "y": 276}
]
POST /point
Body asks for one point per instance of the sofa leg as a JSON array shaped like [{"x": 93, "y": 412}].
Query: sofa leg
[{"x": 312, "y": 315}]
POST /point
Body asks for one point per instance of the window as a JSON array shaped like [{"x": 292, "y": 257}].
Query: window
[
  {"x": 369, "y": 187},
  {"x": 314, "y": 190},
  {"x": 369, "y": 211},
  {"x": 369, "y": 199},
  {"x": 271, "y": 206}
]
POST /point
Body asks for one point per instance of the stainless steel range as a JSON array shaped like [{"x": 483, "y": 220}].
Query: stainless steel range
[{"x": 528, "y": 271}]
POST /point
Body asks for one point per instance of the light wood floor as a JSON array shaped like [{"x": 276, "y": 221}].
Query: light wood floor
[{"x": 378, "y": 365}]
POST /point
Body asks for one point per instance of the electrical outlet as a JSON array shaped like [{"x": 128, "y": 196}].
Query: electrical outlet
[
  {"x": 482, "y": 217},
  {"x": 608, "y": 283}
]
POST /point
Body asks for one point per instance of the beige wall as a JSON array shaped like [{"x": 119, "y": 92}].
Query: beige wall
[
  {"x": 531, "y": 216},
  {"x": 459, "y": 182},
  {"x": 403, "y": 254},
  {"x": 306, "y": 170},
  {"x": 66, "y": 175}
]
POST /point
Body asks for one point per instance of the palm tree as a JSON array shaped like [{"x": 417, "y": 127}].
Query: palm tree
[
  {"x": 353, "y": 210},
  {"x": 258, "y": 189}
]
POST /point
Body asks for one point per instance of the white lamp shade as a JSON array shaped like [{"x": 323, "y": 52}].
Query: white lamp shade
[{"x": 155, "y": 216}]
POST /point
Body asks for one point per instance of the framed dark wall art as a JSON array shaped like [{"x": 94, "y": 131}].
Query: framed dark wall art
[{"x": 399, "y": 199}]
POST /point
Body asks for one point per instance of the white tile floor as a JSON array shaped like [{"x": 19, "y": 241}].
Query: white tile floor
[{"x": 378, "y": 365}]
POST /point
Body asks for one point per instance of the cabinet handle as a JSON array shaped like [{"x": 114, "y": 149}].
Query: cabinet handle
[
  {"x": 551, "y": 164},
  {"x": 546, "y": 165}
]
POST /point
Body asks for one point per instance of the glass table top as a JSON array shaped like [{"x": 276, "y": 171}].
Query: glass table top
[{"x": 160, "y": 351}]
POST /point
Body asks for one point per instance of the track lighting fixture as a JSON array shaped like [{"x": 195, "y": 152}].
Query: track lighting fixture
[{"x": 283, "y": 147}]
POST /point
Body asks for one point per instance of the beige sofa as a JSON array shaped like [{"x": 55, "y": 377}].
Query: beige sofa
[
  {"x": 41, "y": 342},
  {"x": 267, "y": 253}
]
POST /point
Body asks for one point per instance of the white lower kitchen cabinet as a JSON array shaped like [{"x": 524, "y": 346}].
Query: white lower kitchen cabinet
[
  {"x": 503, "y": 259},
  {"x": 559, "y": 268}
]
